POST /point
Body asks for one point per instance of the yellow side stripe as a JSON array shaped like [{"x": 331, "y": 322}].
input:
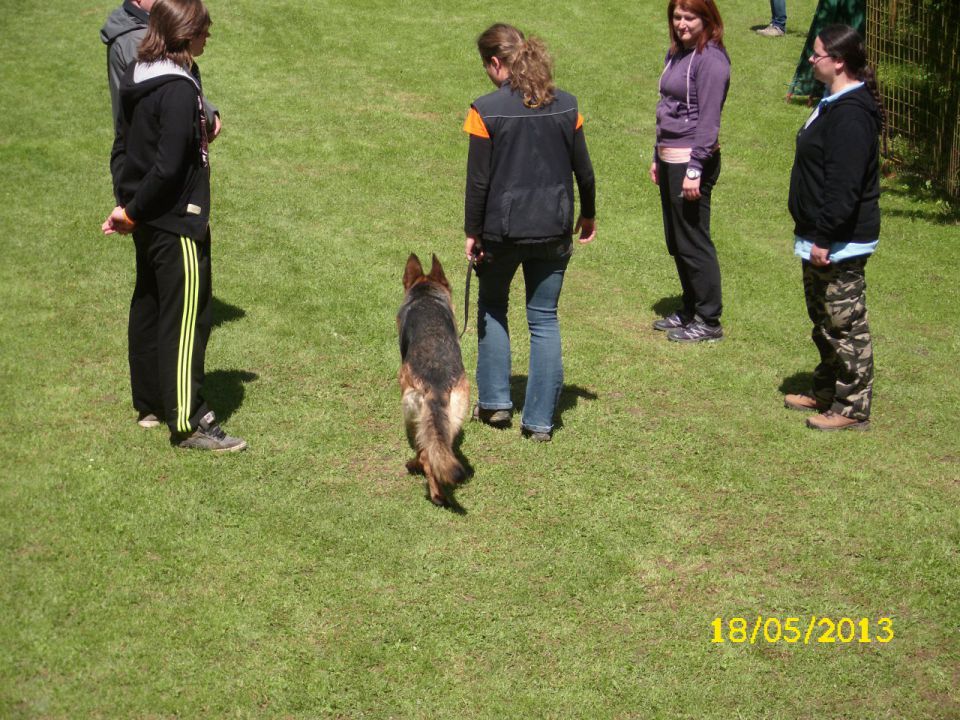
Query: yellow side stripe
[
  {"x": 187, "y": 332},
  {"x": 194, "y": 295},
  {"x": 183, "y": 328}
]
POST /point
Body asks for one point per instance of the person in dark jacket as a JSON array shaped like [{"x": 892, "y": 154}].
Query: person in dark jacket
[
  {"x": 686, "y": 162},
  {"x": 122, "y": 33},
  {"x": 834, "y": 201},
  {"x": 162, "y": 184},
  {"x": 526, "y": 145}
]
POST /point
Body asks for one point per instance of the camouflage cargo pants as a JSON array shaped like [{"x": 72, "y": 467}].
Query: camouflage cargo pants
[{"x": 837, "y": 305}]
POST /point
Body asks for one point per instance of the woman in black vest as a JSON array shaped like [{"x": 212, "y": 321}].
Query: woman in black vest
[{"x": 526, "y": 145}]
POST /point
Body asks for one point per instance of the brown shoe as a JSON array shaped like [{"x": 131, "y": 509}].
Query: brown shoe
[
  {"x": 800, "y": 401},
  {"x": 830, "y": 420}
]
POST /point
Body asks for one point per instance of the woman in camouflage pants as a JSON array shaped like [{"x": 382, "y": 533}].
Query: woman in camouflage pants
[{"x": 834, "y": 201}]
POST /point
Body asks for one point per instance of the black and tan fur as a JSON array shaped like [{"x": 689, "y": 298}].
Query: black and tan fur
[{"x": 435, "y": 388}]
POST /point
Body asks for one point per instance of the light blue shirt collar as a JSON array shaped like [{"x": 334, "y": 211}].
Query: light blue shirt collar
[{"x": 837, "y": 95}]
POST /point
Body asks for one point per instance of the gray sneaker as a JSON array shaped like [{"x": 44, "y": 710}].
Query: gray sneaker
[
  {"x": 771, "y": 30},
  {"x": 494, "y": 418},
  {"x": 696, "y": 331},
  {"x": 671, "y": 322},
  {"x": 210, "y": 436},
  {"x": 535, "y": 435}
]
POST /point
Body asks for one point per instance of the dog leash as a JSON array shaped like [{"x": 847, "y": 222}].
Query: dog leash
[{"x": 466, "y": 299}]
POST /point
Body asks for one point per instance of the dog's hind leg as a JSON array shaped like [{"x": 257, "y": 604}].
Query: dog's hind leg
[
  {"x": 457, "y": 410},
  {"x": 412, "y": 404},
  {"x": 437, "y": 495}
]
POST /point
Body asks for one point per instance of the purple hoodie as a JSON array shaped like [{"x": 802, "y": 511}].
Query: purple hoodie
[{"x": 688, "y": 114}]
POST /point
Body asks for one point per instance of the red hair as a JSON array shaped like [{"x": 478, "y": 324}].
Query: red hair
[{"x": 707, "y": 11}]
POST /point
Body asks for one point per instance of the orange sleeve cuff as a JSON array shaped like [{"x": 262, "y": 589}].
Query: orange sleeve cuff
[
  {"x": 579, "y": 121},
  {"x": 474, "y": 124}
]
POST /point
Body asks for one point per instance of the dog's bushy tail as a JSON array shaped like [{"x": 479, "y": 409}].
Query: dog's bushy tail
[{"x": 435, "y": 438}]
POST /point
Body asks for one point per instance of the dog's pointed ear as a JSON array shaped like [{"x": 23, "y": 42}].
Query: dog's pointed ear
[
  {"x": 413, "y": 271},
  {"x": 436, "y": 273}
]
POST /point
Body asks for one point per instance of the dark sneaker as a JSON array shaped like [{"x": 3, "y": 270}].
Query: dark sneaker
[
  {"x": 210, "y": 436},
  {"x": 802, "y": 401},
  {"x": 696, "y": 331},
  {"x": 671, "y": 322},
  {"x": 494, "y": 418},
  {"x": 829, "y": 421},
  {"x": 148, "y": 420},
  {"x": 535, "y": 435}
]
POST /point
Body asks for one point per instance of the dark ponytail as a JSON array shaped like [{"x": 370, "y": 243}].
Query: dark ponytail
[{"x": 845, "y": 43}]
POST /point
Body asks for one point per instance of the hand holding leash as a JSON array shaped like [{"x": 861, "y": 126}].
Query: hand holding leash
[
  {"x": 474, "y": 253},
  {"x": 472, "y": 249}
]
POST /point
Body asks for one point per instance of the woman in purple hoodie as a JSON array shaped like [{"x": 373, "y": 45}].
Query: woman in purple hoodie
[{"x": 686, "y": 162}]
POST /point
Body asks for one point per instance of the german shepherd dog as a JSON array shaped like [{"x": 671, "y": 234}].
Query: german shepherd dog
[{"x": 434, "y": 385}]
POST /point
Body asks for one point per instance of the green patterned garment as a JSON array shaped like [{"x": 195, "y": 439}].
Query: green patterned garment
[{"x": 829, "y": 12}]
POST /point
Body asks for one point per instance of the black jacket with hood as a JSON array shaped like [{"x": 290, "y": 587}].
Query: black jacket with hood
[
  {"x": 161, "y": 174},
  {"x": 835, "y": 182}
]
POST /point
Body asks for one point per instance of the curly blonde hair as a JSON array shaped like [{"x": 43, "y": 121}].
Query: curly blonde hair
[{"x": 526, "y": 59}]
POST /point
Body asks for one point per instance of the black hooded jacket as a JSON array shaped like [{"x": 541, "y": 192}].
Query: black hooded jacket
[
  {"x": 835, "y": 182},
  {"x": 161, "y": 175}
]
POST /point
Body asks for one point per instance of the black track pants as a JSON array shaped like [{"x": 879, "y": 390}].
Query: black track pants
[
  {"x": 170, "y": 317},
  {"x": 686, "y": 226}
]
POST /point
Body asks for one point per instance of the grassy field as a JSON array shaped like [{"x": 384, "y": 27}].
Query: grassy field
[{"x": 309, "y": 577}]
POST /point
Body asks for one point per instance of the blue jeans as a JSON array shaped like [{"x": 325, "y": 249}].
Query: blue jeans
[
  {"x": 778, "y": 13},
  {"x": 543, "y": 267}
]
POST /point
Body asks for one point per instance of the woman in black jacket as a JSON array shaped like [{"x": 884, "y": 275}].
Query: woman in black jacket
[
  {"x": 526, "y": 145},
  {"x": 161, "y": 180},
  {"x": 834, "y": 201}
]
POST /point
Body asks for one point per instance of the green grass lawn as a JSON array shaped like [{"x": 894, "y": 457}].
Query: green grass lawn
[{"x": 309, "y": 576}]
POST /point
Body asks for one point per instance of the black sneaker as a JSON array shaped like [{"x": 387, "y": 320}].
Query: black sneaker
[
  {"x": 494, "y": 418},
  {"x": 670, "y": 322},
  {"x": 210, "y": 436},
  {"x": 535, "y": 436},
  {"x": 696, "y": 331}
]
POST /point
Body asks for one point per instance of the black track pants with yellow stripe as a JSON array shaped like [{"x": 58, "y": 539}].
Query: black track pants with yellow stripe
[{"x": 170, "y": 318}]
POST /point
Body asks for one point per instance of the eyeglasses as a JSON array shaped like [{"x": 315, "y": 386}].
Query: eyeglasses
[{"x": 818, "y": 57}]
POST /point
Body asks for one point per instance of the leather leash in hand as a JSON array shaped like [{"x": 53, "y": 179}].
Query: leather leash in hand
[{"x": 466, "y": 298}]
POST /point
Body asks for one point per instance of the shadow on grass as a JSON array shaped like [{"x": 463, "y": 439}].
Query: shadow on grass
[
  {"x": 570, "y": 395},
  {"x": 800, "y": 382},
  {"x": 452, "y": 504},
  {"x": 224, "y": 390},
  {"x": 667, "y": 305},
  {"x": 224, "y": 312},
  {"x": 946, "y": 211}
]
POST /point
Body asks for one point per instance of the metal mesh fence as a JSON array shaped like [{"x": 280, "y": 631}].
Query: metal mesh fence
[{"x": 914, "y": 46}]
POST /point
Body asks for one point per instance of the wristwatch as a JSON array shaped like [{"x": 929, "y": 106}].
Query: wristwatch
[{"x": 693, "y": 174}]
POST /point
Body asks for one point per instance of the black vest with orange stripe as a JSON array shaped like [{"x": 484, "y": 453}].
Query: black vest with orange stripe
[{"x": 531, "y": 173}]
